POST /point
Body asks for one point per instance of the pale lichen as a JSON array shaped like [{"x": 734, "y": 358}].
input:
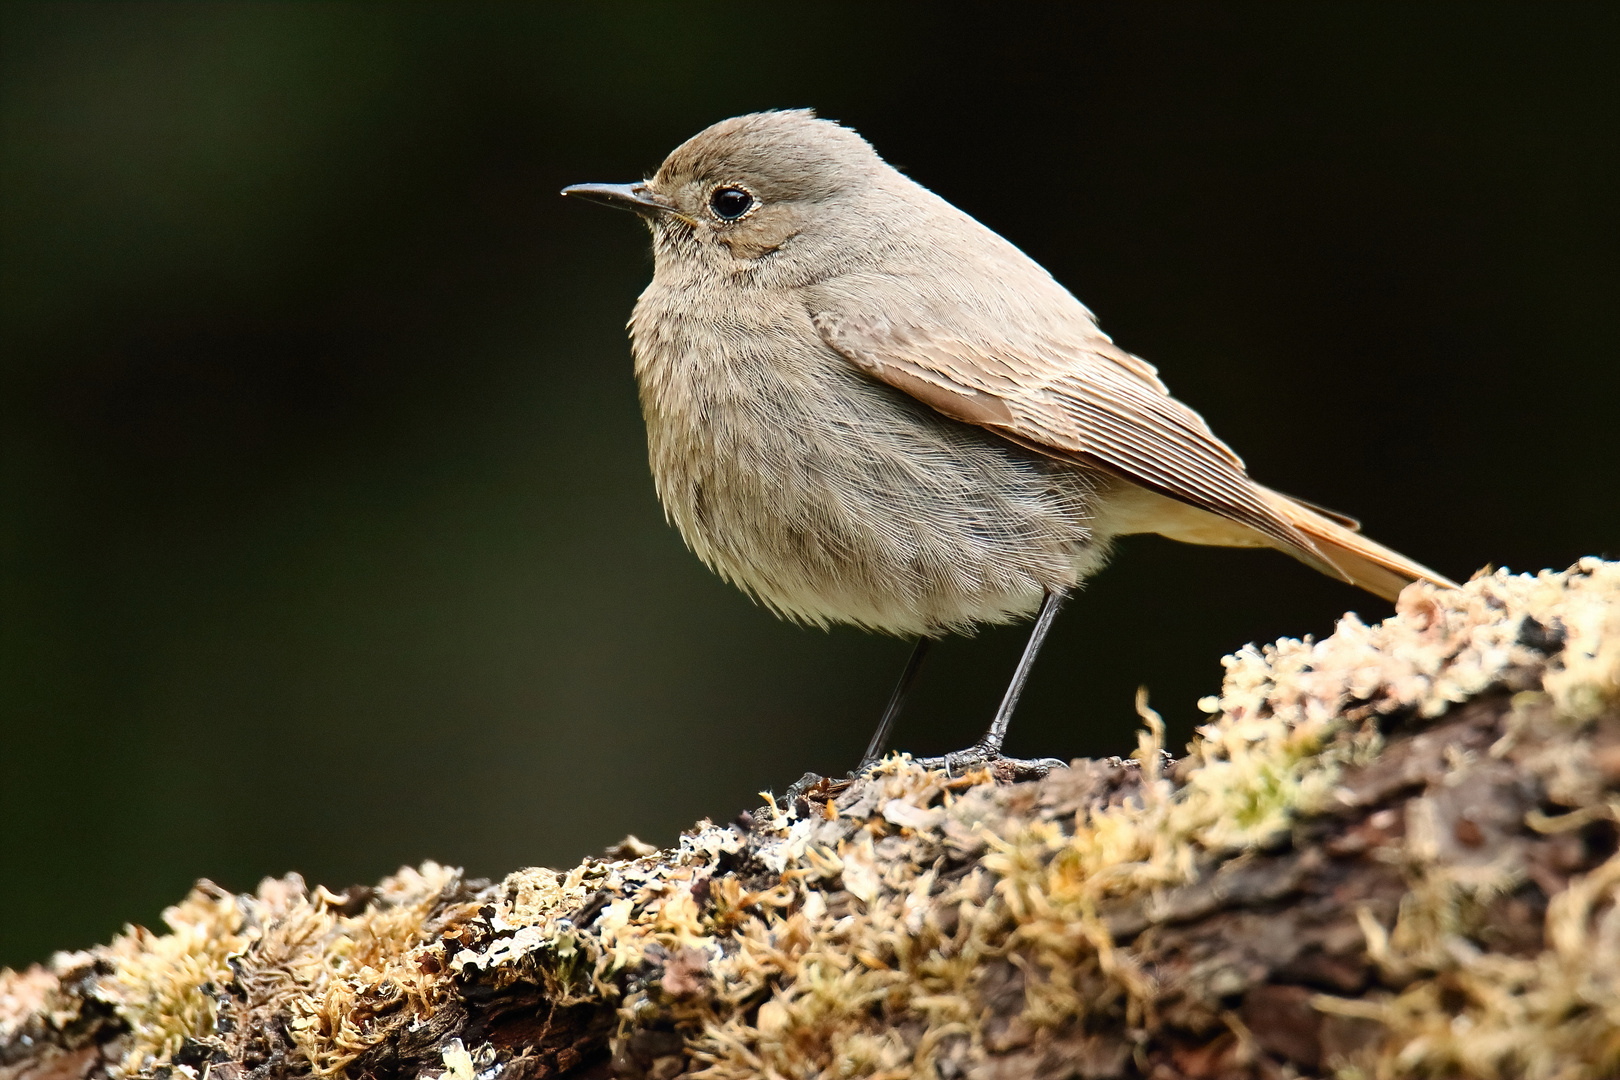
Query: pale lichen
[
  {"x": 162, "y": 985},
  {"x": 1316, "y": 850}
]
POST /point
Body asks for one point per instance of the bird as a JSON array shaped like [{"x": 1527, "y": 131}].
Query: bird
[{"x": 865, "y": 407}]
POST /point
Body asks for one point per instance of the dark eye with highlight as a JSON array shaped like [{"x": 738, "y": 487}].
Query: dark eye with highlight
[{"x": 730, "y": 203}]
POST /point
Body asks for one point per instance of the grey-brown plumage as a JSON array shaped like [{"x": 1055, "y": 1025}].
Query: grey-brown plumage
[{"x": 863, "y": 406}]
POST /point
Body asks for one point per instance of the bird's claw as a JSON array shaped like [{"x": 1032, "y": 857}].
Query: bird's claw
[
  {"x": 803, "y": 784},
  {"x": 1005, "y": 769}
]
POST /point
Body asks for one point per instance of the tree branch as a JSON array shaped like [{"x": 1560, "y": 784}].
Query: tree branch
[{"x": 1389, "y": 853}]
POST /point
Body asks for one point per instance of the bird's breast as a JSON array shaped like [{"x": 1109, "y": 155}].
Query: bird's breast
[{"x": 834, "y": 498}]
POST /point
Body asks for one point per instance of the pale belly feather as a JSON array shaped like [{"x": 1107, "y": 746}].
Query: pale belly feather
[{"x": 832, "y": 498}]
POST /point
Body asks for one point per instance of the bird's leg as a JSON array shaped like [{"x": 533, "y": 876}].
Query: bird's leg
[
  {"x": 897, "y": 702},
  {"x": 987, "y": 751},
  {"x": 990, "y": 745},
  {"x": 880, "y": 737}
]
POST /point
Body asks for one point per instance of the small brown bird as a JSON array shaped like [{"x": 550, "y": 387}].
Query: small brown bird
[{"x": 865, "y": 407}]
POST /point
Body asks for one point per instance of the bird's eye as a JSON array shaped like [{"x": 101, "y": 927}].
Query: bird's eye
[{"x": 730, "y": 203}]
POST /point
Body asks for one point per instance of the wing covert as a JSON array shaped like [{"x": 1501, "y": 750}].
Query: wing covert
[{"x": 1083, "y": 399}]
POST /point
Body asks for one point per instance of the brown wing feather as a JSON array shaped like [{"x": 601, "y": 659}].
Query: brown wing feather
[{"x": 1093, "y": 402}]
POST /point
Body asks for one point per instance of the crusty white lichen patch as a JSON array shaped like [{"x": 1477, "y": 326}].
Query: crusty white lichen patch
[{"x": 916, "y": 924}]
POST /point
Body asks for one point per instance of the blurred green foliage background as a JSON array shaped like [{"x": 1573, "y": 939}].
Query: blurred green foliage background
[{"x": 327, "y": 541}]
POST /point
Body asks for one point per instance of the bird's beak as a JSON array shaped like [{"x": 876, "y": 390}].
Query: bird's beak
[{"x": 637, "y": 197}]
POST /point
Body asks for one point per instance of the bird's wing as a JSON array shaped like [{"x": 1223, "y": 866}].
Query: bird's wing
[{"x": 1082, "y": 399}]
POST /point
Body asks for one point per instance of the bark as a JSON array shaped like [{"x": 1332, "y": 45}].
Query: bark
[{"x": 1389, "y": 853}]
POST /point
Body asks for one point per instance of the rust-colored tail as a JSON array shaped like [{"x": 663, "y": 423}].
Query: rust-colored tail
[{"x": 1350, "y": 555}]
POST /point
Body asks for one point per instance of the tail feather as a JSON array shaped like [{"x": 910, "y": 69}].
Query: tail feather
[
  {"x": 1341, "y": 552},
  {"x": 1323, "y": 543}
]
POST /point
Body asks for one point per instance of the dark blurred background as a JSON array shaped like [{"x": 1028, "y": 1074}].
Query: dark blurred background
[{"x": 327, "y": 541}]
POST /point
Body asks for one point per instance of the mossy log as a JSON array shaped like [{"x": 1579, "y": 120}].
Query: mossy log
[{"x": 1391, "y": 852}]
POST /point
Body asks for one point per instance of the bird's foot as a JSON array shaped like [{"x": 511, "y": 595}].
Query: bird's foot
[
  {"x": 1005, "y": 769},
  {"x": 804, "y": 784}
]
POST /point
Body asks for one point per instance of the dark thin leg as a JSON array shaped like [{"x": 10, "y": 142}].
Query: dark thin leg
[
  {"x": 897, "y": 702},
  {"x": 990, "y": 745},
  {"x": 987, "y": 751}
]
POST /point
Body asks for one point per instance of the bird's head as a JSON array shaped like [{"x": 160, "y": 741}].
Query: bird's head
[{"x": 771, "y": 194}]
